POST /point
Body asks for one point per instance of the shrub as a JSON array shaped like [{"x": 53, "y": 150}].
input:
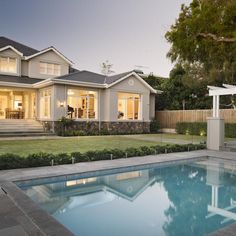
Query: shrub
[
  {"x": 230, "y": 130},
  {"x": 12, "y": 161},
  {"x": 200, "y": 128},
  {"x": 192, "y": 128},
  {"x": 154, "y": 126},
  {"x": 39, "y": 159}
]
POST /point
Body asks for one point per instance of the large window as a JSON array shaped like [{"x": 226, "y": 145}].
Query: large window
[
  {"x": 128, "y": 106},
  {"x": 8, "y": 65},
  {"x": 82, "y": 104},
  {"x": 45, "y": 104},
  {"x": 50, "y": 69}
]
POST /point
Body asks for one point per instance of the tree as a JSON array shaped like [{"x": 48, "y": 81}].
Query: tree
[
  {"x": 106, "y": 68},
  {"x": 205, "y": 33}
]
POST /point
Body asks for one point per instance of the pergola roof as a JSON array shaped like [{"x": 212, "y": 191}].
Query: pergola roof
[{"x": 218, "y": 91}]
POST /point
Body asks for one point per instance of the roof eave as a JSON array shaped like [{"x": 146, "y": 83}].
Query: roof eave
[
  {"x": 10, "y": 84},
  {"x": 51, "y": 81}
]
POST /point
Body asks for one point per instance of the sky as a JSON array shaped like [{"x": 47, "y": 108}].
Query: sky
[{"x": 127, "y": 33}]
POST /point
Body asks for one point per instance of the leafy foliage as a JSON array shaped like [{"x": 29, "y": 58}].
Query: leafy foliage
[
  {"x": 12, "y": 161},
  {"x": 205, "y": 33},
  {"x": 200, "y": 128}
]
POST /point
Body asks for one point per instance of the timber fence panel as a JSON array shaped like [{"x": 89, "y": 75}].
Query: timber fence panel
[{"x": 168, "y": 119}]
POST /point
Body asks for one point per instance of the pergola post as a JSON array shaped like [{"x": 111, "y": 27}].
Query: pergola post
[{"x": 215, "y": 124}]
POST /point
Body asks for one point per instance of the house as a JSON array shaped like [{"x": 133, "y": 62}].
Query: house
[{"x": 44, "y": 86}]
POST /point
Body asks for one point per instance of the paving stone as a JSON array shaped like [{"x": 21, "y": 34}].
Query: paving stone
[{"x": 13, "y": 231}]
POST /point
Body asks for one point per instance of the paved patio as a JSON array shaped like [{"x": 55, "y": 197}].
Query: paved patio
[{"x": 21, "y": 216}]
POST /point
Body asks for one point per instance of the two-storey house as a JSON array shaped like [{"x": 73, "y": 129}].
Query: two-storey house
[{"x": 42, "y": 85}]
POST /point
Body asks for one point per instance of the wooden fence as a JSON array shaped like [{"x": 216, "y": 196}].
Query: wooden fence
[{"x": 168, "y": 119}]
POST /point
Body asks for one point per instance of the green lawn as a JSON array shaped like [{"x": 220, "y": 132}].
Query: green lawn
[{"x": 81, "y": 144}]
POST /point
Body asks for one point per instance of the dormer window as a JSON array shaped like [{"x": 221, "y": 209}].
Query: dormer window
[
  {"x": 50, "y": 69},
  {"x": 8, "y": 65}
]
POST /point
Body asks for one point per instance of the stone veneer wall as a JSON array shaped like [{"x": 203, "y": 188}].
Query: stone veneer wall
[{"x": 92, "y": 127}]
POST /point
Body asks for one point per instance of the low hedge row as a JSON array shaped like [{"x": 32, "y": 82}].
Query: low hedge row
[
  {"x": 12, "y": 161},
  {"x": 200, "y": 128},
  {"x": 192, "y": 128}
]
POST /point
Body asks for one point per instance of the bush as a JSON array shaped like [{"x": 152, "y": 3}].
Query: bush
[
  {"x": 192, "y": 128},
  {"x": 154, "y": 126},
  {"x": 230, "y": 130},
  {"x": 12, "y": 161},
  {"x": 200, "y": 128}
]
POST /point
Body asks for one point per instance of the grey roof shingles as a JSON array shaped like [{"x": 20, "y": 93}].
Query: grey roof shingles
[
  {"x": 91, "y": 77},
  {"x": 84, "y": 76},
  {"x": 17, "y": 79},
  {"x": 27, "y": 51}
]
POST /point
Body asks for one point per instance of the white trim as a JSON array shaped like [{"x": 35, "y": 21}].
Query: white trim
[
  {"x": 227, "y": 90},
  {"x": 137, "y": 77},
  {"x": 50, "y": 49},
  {"x": 51, "y": 81},
  {"x": 13, "y": 49},
  {"x": 21, "y": 85}
]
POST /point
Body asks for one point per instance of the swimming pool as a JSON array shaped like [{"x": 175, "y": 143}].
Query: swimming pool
[{"x": 187, "y": 199}]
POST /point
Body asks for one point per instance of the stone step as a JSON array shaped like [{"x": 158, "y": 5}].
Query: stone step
[
  {"x": 25, "y": 134},
  {"x": 17, "y": 127}
]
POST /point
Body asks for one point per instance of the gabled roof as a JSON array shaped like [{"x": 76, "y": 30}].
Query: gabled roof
[
  {"x": 84, "y": 76},
  {"x": 120, "y": 77},
  {"x": 87, "y": 78},
  {"x": 25, "y": 50},
  {"x": 50, "y": 49}
]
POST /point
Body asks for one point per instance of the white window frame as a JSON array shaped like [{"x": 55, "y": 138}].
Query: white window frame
[
  {"x": 47, "y": 69},
  {"x": 8, "y": 61},
  {"x": 126, "y": 106},
  {"x": 87, "y": 101},
  {"x": 42, "y": 103}
]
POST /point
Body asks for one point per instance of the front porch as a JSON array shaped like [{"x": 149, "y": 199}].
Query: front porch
[{"x": 17, "y": 103}]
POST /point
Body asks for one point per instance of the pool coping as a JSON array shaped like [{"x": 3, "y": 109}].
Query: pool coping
[{"x": 47, "y": 225}]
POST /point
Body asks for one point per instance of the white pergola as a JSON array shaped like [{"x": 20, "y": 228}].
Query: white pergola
[
  {"x": 215, "y": 124},
  {"x": 216, "y": 92}
]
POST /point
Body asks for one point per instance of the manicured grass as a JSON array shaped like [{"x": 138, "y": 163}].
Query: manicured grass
[
  {"x": 72, "y": 144},
  {"x": 92, "y": 143}
]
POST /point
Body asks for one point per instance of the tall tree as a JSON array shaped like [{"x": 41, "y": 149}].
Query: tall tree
[{"x": 205, "y": 33}]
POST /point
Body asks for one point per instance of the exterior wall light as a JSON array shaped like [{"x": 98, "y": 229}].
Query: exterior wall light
[{"x": 61, "y": 103}]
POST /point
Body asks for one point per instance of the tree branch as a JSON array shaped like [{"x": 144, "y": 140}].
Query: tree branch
[{"x": 216, "y": 38}]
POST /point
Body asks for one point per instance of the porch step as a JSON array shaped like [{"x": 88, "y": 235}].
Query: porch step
[{"x": 21, "y": 127}]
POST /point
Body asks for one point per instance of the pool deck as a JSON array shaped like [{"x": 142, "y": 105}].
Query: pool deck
[{"x": 21, "y": 216}]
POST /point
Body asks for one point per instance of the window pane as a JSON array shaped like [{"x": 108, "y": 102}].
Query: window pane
[
  {"x": 128, "y": 106},
  {"x": 43, "y": 68},
  {"x": 3, "y": 64},
  {"x": 82, "y": 104},
  {"x": 130, "y": 109},
  {"x": 45, "y": 103},
  {"x": 57, "y": 69},
  {"x": 50, "y": 69},
  {"x": 8, "y": 64},
  {"x": 12, "y": 65}
]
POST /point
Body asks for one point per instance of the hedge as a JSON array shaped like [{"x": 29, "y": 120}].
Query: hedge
[
  {"x": 13, "y": 161},
  {"x": 200, "y": 128}
]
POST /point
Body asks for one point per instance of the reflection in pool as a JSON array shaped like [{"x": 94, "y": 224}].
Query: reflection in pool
[{"x": 192, "y": 199}]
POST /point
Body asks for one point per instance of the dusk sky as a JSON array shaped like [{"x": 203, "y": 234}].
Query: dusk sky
[{"x": 89, "y": 32}]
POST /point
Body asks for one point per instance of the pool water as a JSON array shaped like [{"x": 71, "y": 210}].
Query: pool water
[{"x": 192, "y": 199}]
